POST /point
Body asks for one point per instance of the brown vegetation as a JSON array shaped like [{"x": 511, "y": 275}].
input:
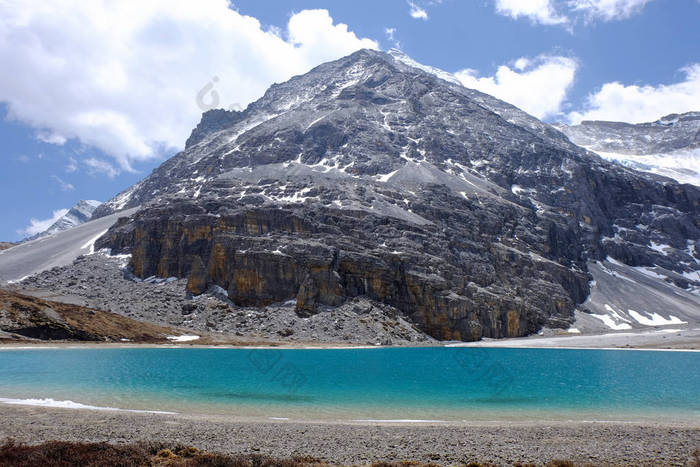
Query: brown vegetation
[
  {"x": 23, "y": 317},
  {"x": 67, "y": 454},
  {"x": 154, "y": 454}
]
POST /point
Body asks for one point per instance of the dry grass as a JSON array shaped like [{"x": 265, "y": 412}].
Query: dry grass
[
  {"x": 48, "y": 320},
  {"x": 71, "y": 454}
]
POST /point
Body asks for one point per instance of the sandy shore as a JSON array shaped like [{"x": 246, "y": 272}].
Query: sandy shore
[
  {"x": 501, "y": 443},
  {"x": 653, "y": 339}
]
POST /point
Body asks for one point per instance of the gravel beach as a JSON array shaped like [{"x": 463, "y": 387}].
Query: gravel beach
[{"x": 502, "y": 443}]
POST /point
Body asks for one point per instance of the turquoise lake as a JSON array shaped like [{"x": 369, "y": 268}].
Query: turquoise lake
[{"x": 437, "y": 383}]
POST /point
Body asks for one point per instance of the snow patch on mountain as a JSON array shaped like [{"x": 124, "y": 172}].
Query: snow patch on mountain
[
  {"x": 682, "y": 166},
  {"x": 669, "y": 146},
  {"x": 403, "y": 58}
]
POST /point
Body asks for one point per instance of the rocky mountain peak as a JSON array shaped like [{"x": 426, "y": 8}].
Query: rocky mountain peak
[{"x": 373, "y": 176}]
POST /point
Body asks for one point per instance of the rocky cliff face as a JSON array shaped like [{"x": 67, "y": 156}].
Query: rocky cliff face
[
  {"x": 370, "y": 177},
  {"x": 669, "y": 146}
]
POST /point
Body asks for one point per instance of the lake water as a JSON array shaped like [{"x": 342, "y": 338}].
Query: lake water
[{"x": 438, "y": 383}]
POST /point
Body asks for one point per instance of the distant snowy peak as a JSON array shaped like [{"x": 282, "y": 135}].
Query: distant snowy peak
[
  {"x": 682, "y": 165},
  {"x": 78, "y": 214},
  {"x": 84, "y": 209},
  {"x": 672, "y": 119},
  {"x": 669, "y": 146},
  {"x": 668, "y": 134}
]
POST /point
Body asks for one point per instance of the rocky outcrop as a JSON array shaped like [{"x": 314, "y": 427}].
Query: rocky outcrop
[
  {"x": 101, "y": 281},
  {"x": 448, "y": 286},
  {"x": 211, "y": 122},
  {"x": 371, "y": 178},
  {"x": 197, "y": 277},
  {"x": 6, "y": 245}
]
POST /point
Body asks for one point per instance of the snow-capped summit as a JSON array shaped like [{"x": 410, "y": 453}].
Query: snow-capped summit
[{"x": 78, "y": 214}]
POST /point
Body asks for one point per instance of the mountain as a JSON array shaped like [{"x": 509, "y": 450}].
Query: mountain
[
  {"x": 371, "y": 176},
  {"x": 669, "y": 146},
  {"x": 6, "y": 245},
  {"x": 78, "y": 214}
]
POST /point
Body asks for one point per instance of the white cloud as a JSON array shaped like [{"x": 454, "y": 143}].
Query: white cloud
[
  {"x": 123, "y": 76},
  {"x": 65, "y": 186},
  {"x": 636, "y": 104},
  {"x": 38, "y": 225},
  {"x": 566, "y": 12},
  {"x": 538, "y": 11},
  {"x": 72, "y": 165},
  {"x": 51, "y": 138},
  {"x": 608, "y": 10},
  {"x": 416, "y": 11},
  {"x": 97, "y": 166},
  {"x": 391, "y": 36},
  {"x": 538, "y": 85}
]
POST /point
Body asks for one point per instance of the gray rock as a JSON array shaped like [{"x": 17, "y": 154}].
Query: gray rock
[
  {"x": 367, "y": 177},
  {"x": 104, "y": 282}
]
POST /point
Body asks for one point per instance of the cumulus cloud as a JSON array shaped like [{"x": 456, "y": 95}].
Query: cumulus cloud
[
  {"x": 123, "y": 76},
  {"x": 537, "y": 85},
  {"x": 608, "y": 10},
  {"x": 637, "y": 104},
  {"x": 566, "y": 12},
  {"x": 416, "y": 11},
  {"x": 538, "y": 11},
  {"x": 39, "y": 225},
  {"x": 65, "y": 186}
]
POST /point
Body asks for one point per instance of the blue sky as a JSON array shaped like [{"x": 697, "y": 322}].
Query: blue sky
[{"x": 92, "y": 99}]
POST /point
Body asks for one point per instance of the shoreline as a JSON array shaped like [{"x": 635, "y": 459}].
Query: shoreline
[
  {"x": 359, "y": 415},
  {"x": 510, "y": 343},
  {"x": 406, "y": 422},
  {"x": 500, "y": 442}
]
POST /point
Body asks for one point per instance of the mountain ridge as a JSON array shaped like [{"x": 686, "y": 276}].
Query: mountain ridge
[
  {"x": 370, "y": 177},
  {"x": 78, "y": 214},
  {"x": 669, "y": 146}
]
